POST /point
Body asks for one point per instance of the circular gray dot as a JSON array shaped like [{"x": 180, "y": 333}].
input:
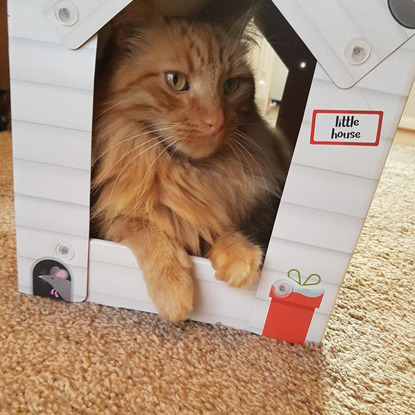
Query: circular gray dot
[
  {"x": 283, "y": 288},
  {"x": 403, "y": 12},
  {"x": 64, "y": 14}
]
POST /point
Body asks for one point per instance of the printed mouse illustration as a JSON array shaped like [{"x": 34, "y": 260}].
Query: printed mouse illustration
[{"x": 61, "y": 285}]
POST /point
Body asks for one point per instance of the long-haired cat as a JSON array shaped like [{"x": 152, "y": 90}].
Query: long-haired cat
[{"x": 183, "y": 163}]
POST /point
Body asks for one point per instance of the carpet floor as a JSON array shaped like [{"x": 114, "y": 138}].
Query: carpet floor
[{"x": 59, "y": 358}]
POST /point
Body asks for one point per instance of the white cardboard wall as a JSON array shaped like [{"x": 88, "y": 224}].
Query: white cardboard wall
[{"x": 328, "y": 191}]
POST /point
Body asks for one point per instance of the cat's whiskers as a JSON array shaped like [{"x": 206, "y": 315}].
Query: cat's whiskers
[
  {"x": 238, "y": 145},
  {"x": 132, "y": 137},
  {"x": 249, "y": 140},
  {"x": 131, "y": 161},
  {"x": 157, "y": 138},
  {"x": 289, "y": 45},
  {"x": 269, "y": 164},
  {"x": 138, "y": 146},
  {"x": 259, "y": 168},
  {"x": 139, "y": 193},
  {"x": 243, "y": 26},
  {"x": 229, "y": 144},
  {"x": 197, "y": 14},
  {"x": 153, "y": 163},
  {"x": 141, "y": 153},
  {"x": 260, "y": 152},
  {"x": 176, "y": 146},
  {"x": 236, "y": 125},
  {"x": 276, "y": 35},
  {"x": 107, "y": 109}
]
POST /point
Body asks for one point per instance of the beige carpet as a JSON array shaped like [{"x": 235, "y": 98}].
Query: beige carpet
[{"x": 58, "y": 358}]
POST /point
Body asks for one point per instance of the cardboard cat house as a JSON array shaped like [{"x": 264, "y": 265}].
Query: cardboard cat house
[{"x": 356, "y": 70}]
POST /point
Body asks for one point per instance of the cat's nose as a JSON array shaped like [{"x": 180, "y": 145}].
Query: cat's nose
[{"x": 214, "y": 121}]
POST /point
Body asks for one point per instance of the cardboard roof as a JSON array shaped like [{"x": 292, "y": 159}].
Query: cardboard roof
[{"x": 348, "y": 38}]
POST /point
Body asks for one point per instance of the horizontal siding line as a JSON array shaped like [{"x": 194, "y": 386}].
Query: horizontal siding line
[
  {"x": 317, "y": 246},
  {"x": 334, "y": 171},
  {"x": 194, "y": 315},
  {"x": 25, "y": 287},
  {"x": 92, "y": 260},
  {"x": 54, "y": 200},
  {"x": 200, "y": 316},
  {"x": 322, "y": 210},
  {"x": 52, "y": 125},
  {"x": 407, "y": 123},
  {"x": 315, "y": 312},
  {"x": 311, "y": 245},
  {"x": 49, "y": 231},
  {"x": 355, "y": 86},
  {"x": 108, "y": 297},
  {"x": 117, "y": 245},
  {"x": 405, "y": 46},
  {"x": 396, "y": 47},
  {"x": 56, "y": 257},
  {"x": 31, "y": 40},
  {"x": 408, "y": 49},
  {"x": 137, "y": 267},
  {"x": 52, "y": 85},
  {"x": 36, "y": 40},
  {"x": 325, "y": 314},
  {"x": 52, "y": 164}
]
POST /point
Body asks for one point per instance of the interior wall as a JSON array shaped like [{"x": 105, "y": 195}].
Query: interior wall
[
  {"x": 408, "y": 117},
  {"x": 270, "y": 73},
  {"x": 4, "y": 70},
  {"x": 4, "y": 59}
]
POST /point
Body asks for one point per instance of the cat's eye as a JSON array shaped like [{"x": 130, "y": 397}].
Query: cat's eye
[
  {"x": 177, "y": 81},
  {"x": 231, "y": 85}
]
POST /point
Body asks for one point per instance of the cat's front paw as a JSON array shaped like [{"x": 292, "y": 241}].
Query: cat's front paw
[
  {"x": 236, "y": 260},
  {"x": 173, "y": 293}
]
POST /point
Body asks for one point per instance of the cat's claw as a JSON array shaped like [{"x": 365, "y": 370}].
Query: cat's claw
[{"x": 236, "y": 260}]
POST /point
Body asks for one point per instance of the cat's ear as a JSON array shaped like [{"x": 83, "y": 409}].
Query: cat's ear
[
  {"x": 231, "y": 15},
  {"x": 136, "y": 18}
]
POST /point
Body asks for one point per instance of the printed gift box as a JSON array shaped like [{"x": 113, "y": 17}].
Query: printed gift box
[{"x": 292, "y": 308}]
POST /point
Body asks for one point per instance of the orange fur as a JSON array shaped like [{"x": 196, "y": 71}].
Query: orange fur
[{"x": 173, "y": 169}]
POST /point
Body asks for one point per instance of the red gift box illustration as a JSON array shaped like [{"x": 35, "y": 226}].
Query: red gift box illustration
[{"x": 292, "y": 308}]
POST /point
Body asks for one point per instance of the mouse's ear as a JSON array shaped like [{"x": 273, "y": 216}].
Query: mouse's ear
[
  {"x": 54, "y": 270},
  {"x": 61, "y": 274}
]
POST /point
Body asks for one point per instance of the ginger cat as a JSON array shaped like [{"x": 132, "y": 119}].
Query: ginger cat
[{"x": 183, "y": 163}]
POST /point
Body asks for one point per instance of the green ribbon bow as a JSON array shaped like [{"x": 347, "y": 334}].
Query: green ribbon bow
[{"x": 312, "y": 279}]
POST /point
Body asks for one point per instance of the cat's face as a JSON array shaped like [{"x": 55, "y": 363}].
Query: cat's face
[{"x": 189, "y": 83}]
